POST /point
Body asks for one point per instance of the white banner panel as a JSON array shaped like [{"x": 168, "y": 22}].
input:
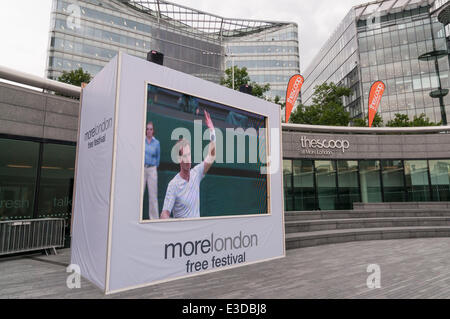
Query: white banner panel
[
  {"x": 147, "y": 252},
  {"x": 93, "y": 176}
]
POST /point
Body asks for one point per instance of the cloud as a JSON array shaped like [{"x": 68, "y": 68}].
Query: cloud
[{"x": 24, "y": 28}]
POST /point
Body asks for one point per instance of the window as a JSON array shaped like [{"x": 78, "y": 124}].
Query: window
[
  {"x": 18, "y": 173},
  {"x": 378, "y": 42},
  {"x": 363, "y": 44},
  {"x": 396, "y": 54},
  {"x": 364, "y": 59},
  {"x": 348, "y": 184},
  {"x": 304, "y": 189},
  {"x": 440, "y": 179},
  {"x": 395, "y": 38},
  {"x": 372, "y": 58},
  {"x": 403, "y": 36},
  {"x": 404, "y": 49},
  {"x": 388, "y": 55},
  {"x": 20, "y": 181},
  {"x": 420, "y": 33},
  {"x": 56, "y": 181},
  {"x": 369, "y": 172},
  {"x": 393, "y": 181},
  {"x": 287, "y": 177},
  {"x": 387, "y": 40},
  {"x": 326, "y": 184},
  {"x": 417, "y": 184},
  {"x": 380, "y": 57},
  {"x": 411, "y": 35}
]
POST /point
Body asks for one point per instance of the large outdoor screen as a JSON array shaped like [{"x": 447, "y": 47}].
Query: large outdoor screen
[
  {"x": 175, "y": 177},
  {"x": 201, "y": 159}
]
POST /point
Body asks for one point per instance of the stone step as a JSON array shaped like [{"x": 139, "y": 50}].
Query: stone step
[
  {"x": 309, "y": 239},
  {"x": 359, "y": 223},
  {"x": 419, "y": 205},
  {"x": 378, "y": 213}
]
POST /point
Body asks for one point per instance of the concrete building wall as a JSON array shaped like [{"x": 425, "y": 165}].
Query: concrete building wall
[{"x": 25, "y": 112}]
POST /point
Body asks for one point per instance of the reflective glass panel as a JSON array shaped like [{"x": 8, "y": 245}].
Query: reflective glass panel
[
  {"x": 393, "y": 181},
  {"x": 56, "y": 182},
  {"x": 18, "y": 173},
  {"x": 440, "y": 179},
  {"x": 417, "y": 184},
  {"x": 287, "y": 177},
  {"x": 326, "y": 184},
  {"x": 304, "y": 191},
  {"x": 348, "y": 184},
  {"x": 369, "y": 172}
]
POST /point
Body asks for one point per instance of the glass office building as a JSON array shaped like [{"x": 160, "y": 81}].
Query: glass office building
[
  {"x": 382, "y": 41},
  {"x": 88, "y": 33}
]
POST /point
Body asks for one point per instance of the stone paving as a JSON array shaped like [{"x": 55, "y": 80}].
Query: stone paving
[{"x": 412, "y": 268}]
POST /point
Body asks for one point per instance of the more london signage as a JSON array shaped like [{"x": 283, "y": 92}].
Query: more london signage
[{"x": 322, "y": 146}]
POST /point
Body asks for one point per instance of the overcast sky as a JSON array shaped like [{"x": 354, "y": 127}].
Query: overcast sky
[{"x": 24, "y": 25}]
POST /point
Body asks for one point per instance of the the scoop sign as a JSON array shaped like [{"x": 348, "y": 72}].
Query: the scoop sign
[
  {"x": 293, "y": 90},
  {"x": 376, "y": 92}
]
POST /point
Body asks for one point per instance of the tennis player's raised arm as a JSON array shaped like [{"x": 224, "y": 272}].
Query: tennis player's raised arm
[{"x": 210, "y": 159}]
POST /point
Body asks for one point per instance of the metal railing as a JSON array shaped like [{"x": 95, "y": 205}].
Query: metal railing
[
  {"x": 30, "y": 235},
  {"x": 39, "y": 82}
]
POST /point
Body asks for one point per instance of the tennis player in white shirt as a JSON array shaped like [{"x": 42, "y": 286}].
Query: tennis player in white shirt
[{"x": 183, "y": 192}]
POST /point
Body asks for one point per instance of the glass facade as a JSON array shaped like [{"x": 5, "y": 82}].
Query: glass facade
[
  {"x": 383, "y": 41},
  {"x": 88, "y": 33},
  {"x": 336, "y": 184},
  {"x": 390, "y": 53},
  {"x": 36, "y": 179},
  {"x": 337, "y": 62},
  {"x": 270, "y": 57}
]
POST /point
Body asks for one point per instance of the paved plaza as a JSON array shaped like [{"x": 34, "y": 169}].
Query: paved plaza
[{"x": 412, "y": 268}]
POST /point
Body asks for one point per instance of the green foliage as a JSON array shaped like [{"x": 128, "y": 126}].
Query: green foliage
[
  {"x": 241, "y": 77},
  {"x": 75, "y": 77},
  {"x": 377, "y": 121},
  {"x": 277, "y": 100},
  {"x": 402, "y": 120},
  {"x": 422, "y": 120},
  {"x": 327, "y": 107},
  {"x": 259, "y": 90}
]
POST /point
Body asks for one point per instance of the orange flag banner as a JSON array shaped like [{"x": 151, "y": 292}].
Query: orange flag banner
[
  {"x": 376, "y": 92},
  {"x": 293, "y": 90}
]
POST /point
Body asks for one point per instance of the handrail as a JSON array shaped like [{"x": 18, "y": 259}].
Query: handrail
[
  {"x": 39, "y": 82},
  {"x": 365, "y": 130}
]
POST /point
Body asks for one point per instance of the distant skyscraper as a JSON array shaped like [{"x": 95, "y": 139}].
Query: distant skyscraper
[
  {"x": 382, "y": 41},
  {"x": 88, "y": 33}
]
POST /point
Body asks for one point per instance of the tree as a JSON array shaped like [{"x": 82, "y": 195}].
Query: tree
[
  {"x": 377, "y": 121},
  {"x": 75, "y": 77},
  {"x": 422, "y": 120},
  {"x": 402, "y": 120},
  {"x": 277, "y": 100},
  {"x": 327, "y": 107},
  {"x": 241, "y": 77}
]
